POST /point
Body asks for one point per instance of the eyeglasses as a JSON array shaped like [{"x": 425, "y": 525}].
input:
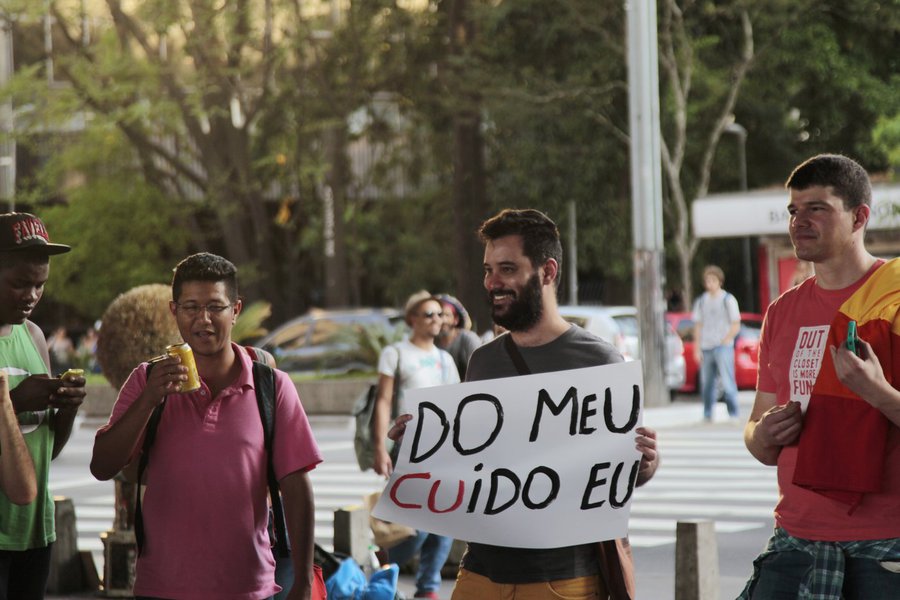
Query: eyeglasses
[
  {"x": 193, "y": 310},
  {"x": 428, "y": 314}
]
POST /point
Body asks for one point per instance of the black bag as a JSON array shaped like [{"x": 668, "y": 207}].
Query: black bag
[
  {"x": 363, "y": 413},
  {"x": 363, "y": 410}
]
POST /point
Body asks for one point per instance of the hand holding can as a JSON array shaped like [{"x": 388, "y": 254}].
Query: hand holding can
[
  {"x": 184, "y": 352},
  {"x": 71, "y": 374}
]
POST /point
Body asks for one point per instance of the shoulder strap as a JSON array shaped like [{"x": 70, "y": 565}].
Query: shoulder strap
[
  {"x": 149, "y": 438},
  {"x": 264, "y": 382},
  {"x": 515, "y": 355},
  {"x": 395, "y": 394}
]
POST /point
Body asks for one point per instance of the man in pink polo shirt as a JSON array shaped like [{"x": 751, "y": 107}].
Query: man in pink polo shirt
[{"x": 205, "y": 506}]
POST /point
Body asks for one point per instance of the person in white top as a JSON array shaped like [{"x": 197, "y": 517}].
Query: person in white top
[{"x": 411, "y": 364}]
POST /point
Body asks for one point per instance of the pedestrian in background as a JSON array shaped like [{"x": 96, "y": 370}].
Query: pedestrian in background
[
  {"x": 837, "y": 531},
  {"x": 456, "y": 336},
  {"x": 62, "y": 350},
  {"x": 412, "y": 364},
  {"x": 86, "y": 351},
  {"x": 717, "y": 320}
]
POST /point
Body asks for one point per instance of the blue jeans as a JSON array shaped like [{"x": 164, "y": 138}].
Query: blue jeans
[
  {"x": 781, "y": 573},
  {"x": 433, "y": 551},
  {"x": 718, "y": 361}
]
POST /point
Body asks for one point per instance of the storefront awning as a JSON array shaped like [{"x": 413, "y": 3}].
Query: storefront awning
[{"x": 764, "y": 212}]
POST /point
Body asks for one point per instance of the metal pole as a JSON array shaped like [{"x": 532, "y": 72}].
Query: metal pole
[
  {"x": 572, "y": 254},
  {"x": 646, "y": 193},
  {"x": 7, "y": 129},
  {"x": 741, "y": 132}
]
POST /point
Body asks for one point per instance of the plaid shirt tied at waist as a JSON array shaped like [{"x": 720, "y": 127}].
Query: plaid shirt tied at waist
[{"x": 825, "y": 579}]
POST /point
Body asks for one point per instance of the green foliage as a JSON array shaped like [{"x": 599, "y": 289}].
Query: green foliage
[
  {"x": 123, "y": 232},
  {"x": 826, "y": 71},
  {"x": 370, "y": 340},
  {"x": 887, "y": 137},
  {"x": 545, "y": 81},
  {"x": 249, "y": 323},
  {"x": 402, "y": 246}
]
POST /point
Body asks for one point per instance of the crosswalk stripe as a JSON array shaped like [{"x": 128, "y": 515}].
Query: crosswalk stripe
[
  {"x": 701, "y": 510},
  {"x": 650, "y": 541},
  {"x": 669, "y": 525}
]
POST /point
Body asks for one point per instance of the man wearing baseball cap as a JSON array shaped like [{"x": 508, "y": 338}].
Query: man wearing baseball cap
[{"x": 45, "y": 406}]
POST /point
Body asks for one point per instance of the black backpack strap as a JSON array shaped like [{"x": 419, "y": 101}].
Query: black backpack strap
[
  {"x": 515, "y": 355},
  {"x": 149, "y": 438},
  {"x": 395, "y": 395},
  {"x": 264, "y": 382}
]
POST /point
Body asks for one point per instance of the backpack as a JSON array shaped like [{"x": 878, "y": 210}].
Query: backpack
[
  {"x": 363, "y": 413},
  {"x": 264, "y": 383}
]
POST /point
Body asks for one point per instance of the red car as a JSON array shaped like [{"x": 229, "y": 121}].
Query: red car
[{"x": 746, "y": 350}]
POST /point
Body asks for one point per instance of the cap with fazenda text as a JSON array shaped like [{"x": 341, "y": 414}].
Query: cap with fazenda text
[{"x": 23, "y": 231}]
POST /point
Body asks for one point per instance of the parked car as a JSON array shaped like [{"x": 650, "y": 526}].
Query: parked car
[
  {"x": 619, "y": 326},
  {"x": 746, "y": 350},
  {"x": 330, "y": 341}
]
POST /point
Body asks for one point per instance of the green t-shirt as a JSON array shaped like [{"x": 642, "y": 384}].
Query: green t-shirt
[{"x": 32, "y": 525}]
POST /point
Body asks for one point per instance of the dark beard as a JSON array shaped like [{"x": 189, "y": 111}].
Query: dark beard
[{"x": 525, "y": 311}]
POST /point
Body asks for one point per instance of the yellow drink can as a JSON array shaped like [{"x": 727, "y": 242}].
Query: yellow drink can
[
  {"x": 184, "y": 352},
  {"x": 72, "y": 374}
]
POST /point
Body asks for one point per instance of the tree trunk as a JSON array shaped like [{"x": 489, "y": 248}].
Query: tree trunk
[
  {"x": 333, "y": 200},
  {"x": 469, "y": 207},
  {"x": 469, "y": 193}
]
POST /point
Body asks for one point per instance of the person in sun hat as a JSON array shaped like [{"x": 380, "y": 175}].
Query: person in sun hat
[
  {"x": 411, "y": 364},
  {"x": 45, "y": 406}
]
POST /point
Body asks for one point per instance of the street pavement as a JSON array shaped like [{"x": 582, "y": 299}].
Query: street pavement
[{"x": 706, "y": 473}]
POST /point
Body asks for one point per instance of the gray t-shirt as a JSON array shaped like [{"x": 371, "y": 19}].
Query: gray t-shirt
[
  {"x": 715, "y": 315},
  {"x": 574, "y": 349},
  {"x": 461, "y": 349}
]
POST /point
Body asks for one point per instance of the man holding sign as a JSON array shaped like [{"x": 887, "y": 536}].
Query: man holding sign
[{"x": 522, "y": 261}]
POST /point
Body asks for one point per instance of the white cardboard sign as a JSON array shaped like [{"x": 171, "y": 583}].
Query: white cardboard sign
[{"x": 536, "y": 461}]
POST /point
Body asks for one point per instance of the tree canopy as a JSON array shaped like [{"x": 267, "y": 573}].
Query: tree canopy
[{"x": 344, "y": 154}]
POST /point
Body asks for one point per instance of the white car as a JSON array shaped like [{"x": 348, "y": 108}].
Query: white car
[{"x": 619, "y": 326}]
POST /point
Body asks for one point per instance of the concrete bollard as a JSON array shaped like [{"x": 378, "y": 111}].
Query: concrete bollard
[
  {"x": 352, "y": 535},
  {"x": 696, "y": 561},
  {"x": 66, "y": 573}
]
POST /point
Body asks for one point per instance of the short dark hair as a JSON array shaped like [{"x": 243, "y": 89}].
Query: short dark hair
[
  {"x": 540, "y": 237},
  {"x": 847, "y": 179},
  {"x": 15, "y": 258},
  {"x": 716, "y": 271},
  {"x": 205, "y": 267}
]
